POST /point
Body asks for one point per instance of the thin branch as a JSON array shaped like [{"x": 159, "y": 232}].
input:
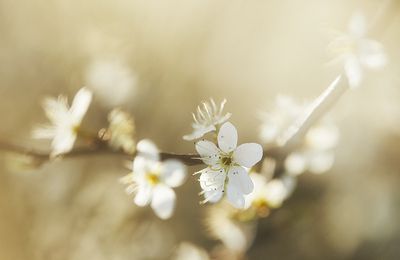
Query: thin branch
[
  {"x": 294, "y": 135},
  {"x": 318, "y": 108},
  {"x": 103, "y": 148}
]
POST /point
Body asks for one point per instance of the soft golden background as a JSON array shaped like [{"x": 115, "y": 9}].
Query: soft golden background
[{"x": 174, "y": 54}]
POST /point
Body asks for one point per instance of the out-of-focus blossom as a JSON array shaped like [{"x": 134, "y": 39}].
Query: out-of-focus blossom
[
  {"x": 317, "y": 153},
  {"x": 222, "y": 224},
  {"x": 227, "y": 165},
  {"x": 276, "y": 122},
  {"x": 187, "y": 251},
  {"x": 153, "y": 180},
  {"x": 65, "y": 120},
  {"x": 356, "y": 52},
  {"x": 208, "y": 118},
  {"x": 121, "y": 131},
  {"x": 112, "y": 81},
  {"x": 268, "y": 193}
]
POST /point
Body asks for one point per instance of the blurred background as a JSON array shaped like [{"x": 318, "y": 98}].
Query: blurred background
[{"x": 158, "y": 60}]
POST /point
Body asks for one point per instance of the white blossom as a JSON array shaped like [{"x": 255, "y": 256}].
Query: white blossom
[
  {"x": 152, "y": 180},
  {"x": 269, "y": 193},
  {"x": 227, "y": 166},
  {"x": 355, "y": 51},
  {"x": 121, "y": 131},
  {"x": 208, "y": 117},
  {"x": 65, "y": 120},
  {"x": 317, "y": 152},
  {"x": 222, "y": 224}
]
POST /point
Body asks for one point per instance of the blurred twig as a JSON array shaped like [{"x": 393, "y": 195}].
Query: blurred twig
[{"x": 318, "y": 108}]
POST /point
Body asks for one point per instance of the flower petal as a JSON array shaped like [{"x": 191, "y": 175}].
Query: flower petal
[
  {"x": 321, "y": 162},
  {"x": 248, "y": 155},
  {"x": 239, "y": 177},
  {"x": 213, "y": 196},
  {"x": 139, "y": 165},
  {"x": 227, "y": 137},
  {"x": 163, "y": 201},
  {"x": 296, "y": 163},
  {"x": 357, "y": 26},
  {"x": 173, "y": 173},
  {"x": 208, "y": 152},
  {"x": 198, "y": 133},
  {"x": 63, "y": 142},
  {"x": 143, "y": 196},
  {"x": 372, "y": 54},
  {"x": 148, "y": 149},
  {"x": 80, "y": 104},
  {"x": 353, "y": 71},
  {"x": 235, "y": 196},
  {"x": 212, "y": 179},
  {"x": 275, "y": 193}
]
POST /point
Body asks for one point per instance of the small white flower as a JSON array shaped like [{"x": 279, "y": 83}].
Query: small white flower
[
  {"x": 208, "y": 117},
  {"x": 153, "y": 180},
  {"x": 121, "y": 131},
  {"x": 222, "y": 224},
  {"x": 65, "y": 120},
  {"x": 317, "y": 153},
  {"x": 269, "y": 193},
  {"x": 227, "y": 166},
  {"x": 355, "y": 51}
]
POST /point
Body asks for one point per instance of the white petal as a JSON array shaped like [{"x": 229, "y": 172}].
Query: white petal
[
  {"x": 227, "y": 137},
  {"x": 173, "y": 173},
  {"x": 80, "y": 104},
  {"x": 357, "y": 25},
  {"x": 143, "y": 195},
  {"x": 63, "y": 142},
  {"x": 321, "y": 162},
  {"x": 139, "y": 165},
  {"x": 208, "y": 151},
  {"x": 276, "y": 193},
  {"x": 296, "y": 163},
  {"x": 213, "y": 196},
  {"x": 235, "y": 196},
  {"x": 248, "y": 154},
  {"x": 353, "y": 71},
  {"x": 198, "y": 133},
  {"x": 148, "y": 149},
  {"x": 323, "y": 137},
  {"x": 372, "y": 54},
  {"x": 56, "y": 109},
  {"x": 224, "y": 118},
  {"x": 163, "y": 201},
  {"x": 239, "y": 177},
  {"x": 44, "y": 132},
  {"x": 212, "y": 179}
]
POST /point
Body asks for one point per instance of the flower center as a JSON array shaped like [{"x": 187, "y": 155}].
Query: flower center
[
  {"x": 153, "y": 178},
  {"x": 261, "y": 207},
  {"x": 75, "y": 129},
  {"x": 226, "y": 161}
]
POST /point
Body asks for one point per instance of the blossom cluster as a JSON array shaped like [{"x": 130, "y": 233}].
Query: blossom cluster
[{"x": 241, "y": 174}]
